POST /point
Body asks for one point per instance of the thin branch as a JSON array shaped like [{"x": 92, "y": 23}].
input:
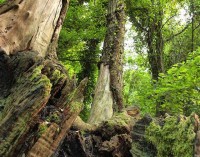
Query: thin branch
[
  {"x": 138, "y": 25},
  {"x": 80, "y": 60},
  {"x": 168, "y": 20},
  {"x": 196, "y": 27},
  {"x": 174, "y": 35}
]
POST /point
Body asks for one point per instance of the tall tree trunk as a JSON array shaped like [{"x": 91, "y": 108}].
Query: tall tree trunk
[
  {"x": 108, "y": 93},
  {"x": 193, "y": 21},
  {"x": 37, "y": 106},
  {"x": 155, "y": 46},
  {"x": 155, "y": 51}
]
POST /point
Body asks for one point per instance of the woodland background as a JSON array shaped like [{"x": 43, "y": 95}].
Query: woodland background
[
  {"x": 80, "y": 46},
  {"x": 129, "y": 68}
]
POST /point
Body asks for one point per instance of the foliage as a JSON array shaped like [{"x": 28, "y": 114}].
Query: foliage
[
  {"x": 175, "y": 138},
  {"x": 177, "y": 90},
  {"x": 79, "y": 43},
  {"x": 180, "y": 86},
  {"x": 177, "y": 49},
  {"x": 1, "y": 1},
  {"x": 83, "y": 23},
  {"x": 138, "y": 90}
]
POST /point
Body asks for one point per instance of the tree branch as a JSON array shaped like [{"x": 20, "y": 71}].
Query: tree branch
[
  {"x": 174, "y": 35},
  {"x": 138, "y": 25},
  {"x": 196, "y": 27},
  {"x": 168, "y": 20},
  {"x": 81, "y": 60}
]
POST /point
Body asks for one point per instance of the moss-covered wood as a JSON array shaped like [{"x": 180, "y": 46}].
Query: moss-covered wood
[
  {"x": 108, "y": 93},
  {"x": 173, "y": 136},
  {"x": 40, "y": 93},
  {"x": 54, "y": 135}
]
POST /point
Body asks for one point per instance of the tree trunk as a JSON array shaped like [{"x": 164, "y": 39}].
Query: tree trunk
[
  {"x": 30, "y": 25},
  {"x": 155, "y": 52},
  {"x": 37, "y": 102},
  {"x": 108, "y": 93},
  {"x": 155, "y": 47},
  {"x": 126, "y": 136}
]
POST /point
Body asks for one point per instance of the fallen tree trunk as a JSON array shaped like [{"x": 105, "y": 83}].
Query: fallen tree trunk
[{"x": 124, "y": 136}]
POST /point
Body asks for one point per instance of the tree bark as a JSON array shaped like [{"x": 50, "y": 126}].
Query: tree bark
[
  {"x": 30, "y": 25},
  {"x": 108, "y": 93},
  {"x": 155, "y": 45},
  {"x": 38, "y": 102}
]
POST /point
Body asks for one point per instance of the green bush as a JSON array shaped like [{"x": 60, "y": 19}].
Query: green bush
[{"x": 178, "y": 90}]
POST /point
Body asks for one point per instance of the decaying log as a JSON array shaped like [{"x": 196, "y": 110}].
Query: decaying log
[
  {"x": 47, "y": 145},
  {"x": 140, "y": 146},
  {"x": 40, "y": 93},
  {"x": 37, "y": 101},
  {"x": 111, "y": 138},
  {"x": 79, "y": 124},
  {"x": 27, "y": 96},
  {"x": 124, "y": 136}
]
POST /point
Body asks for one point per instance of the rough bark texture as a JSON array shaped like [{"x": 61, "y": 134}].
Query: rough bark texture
[
  {"x": 111, "y": 138},
  {"x": 30, "y": 25},
  {"x": 39, "y": 107},
  {"x": 155, "y": 44},
  {"x": 38, "y": 102},
  {"x": 111, "y": 66},
  {"x": 124, "y": 136},
  {"x": 53, "y": 137},
  {"x": 114, "y": 48}
]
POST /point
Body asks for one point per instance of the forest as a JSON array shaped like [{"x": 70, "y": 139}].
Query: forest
[{"x": 99, "y": 78}]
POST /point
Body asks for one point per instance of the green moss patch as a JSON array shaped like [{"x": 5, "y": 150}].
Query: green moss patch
[{"x": 175, "y": 138}]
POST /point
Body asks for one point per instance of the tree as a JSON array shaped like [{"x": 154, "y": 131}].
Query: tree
[
  {"x": 180, "y": 42},
  {"x": 108, "y": 92},
  {"x": 147, "y": 17},
  {"x": 155, "y": 23},
  {"x": 36, "y": 92},
  {"x": 79, "y": 44},
  {"x": 39, "y": 103}
]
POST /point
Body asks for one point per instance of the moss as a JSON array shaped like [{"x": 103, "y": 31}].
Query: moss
[
  {"x": 76, "y": 106},
  {"x": 56, "y": 76},
  {"x": 29, "y": 93},
  {"x": 175, "y": 138},
  {"x": 36, "y": 72},
  {"x": 42, "y": 128},
  {"x": 54, "y": 117},
  {"x": 122, "y": 119},
  {"x": 74, "y": 102},
  {"x": 6, "y": 146},
  {"x": 118, "y": 124},
  {"x": 138, "y": 152}
]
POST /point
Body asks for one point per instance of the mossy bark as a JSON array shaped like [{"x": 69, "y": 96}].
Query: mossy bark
[
  {"x": 38, "y": 102},
  {"x": 122, "y": 135},
  {"x": 108, "y": 93},
  {"x": 40, "y": 88}
]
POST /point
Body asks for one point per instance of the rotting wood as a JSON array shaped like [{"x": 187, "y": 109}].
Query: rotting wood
[
  {"x": 31, "y": 25},
  {"x": 47, "y": 145}
]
